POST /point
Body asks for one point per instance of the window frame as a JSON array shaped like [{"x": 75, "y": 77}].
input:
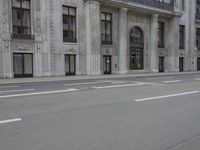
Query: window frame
[
  {"x": 198, "y": 38},
  {"x": 69, "y": 16},
  {"x": 22, "y": 27},
  {"x": 109, "y": 22},
  {"x": 181, "y": 36},
  {"x": 161, "y": 34}
]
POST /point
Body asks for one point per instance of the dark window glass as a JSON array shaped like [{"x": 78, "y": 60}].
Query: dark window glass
[
  {"x": 198, "y": 38},
  {"x": 161, "y": 35},
  {"x": 69, "y": 24},
  {"x": 21, "y": 18},
  {"x": 182, "y": 37},
  {"x": 106, "y": 28}
]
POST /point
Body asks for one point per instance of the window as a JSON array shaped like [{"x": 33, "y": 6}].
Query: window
[
  {"x": 21, "y": 18},
  {"x": 182, "y": 37},
  {"x": 106, "y": 28},
  {"x": 69, "y": 24},
  {"x": 198, "y": 38},
  {"x": 161, "y": 35}
]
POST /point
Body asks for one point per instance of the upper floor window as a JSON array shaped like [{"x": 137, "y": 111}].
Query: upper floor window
[
  {"x": 106, "y": 28},
  {"x": 182, "y": 37},
  {"x": 69, "y": 24},
  {"x": 21, "y": 18},
  {"x": 161, "y": 35},
  {"x": 198, "y": 38}
]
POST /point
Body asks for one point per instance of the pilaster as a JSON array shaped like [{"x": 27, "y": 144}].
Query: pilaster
[
  {"x": 173, "y": 45},
  {"x": 153, "y": 43},
  {"x": 93, "y": 37},
  {"x": 123, "y": 39}
]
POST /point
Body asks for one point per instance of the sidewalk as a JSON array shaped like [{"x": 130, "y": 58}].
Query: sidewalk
[{"x": 71, "y": 78}]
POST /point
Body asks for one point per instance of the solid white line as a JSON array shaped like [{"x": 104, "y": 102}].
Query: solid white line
[
  {"x": 160, "y": 78},
  {"x": 23, "y": 90},
  {"x": 197, "y": 79},
  {"x": 10, "y": 120},
  {"x": 117, "y": 86},
  {"x": 4, "y": 87},
  {"x": 172, "y": 81},
  {"x": 38, "y": 93},
  {"x": 166, "y": 96},
  {"x": 86, "y": 83}
]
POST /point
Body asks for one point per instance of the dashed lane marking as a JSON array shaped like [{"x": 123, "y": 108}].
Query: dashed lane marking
[
  {"x": 172, "y": 81},
  {"x": 159, "y": 78},
  {"x": 166, "y": 96},
  {"x": 38, "y": 93},
  {"x": 117, "y": 86},
  {"x": 87, "y": 83},
  {"x": 10, "y": 120},
  {"x": 4, "y": 87},
  {"x": 22, "y": 90}
]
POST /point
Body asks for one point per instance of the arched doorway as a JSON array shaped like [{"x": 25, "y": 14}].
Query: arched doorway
[{"x": 136, "y": 49}]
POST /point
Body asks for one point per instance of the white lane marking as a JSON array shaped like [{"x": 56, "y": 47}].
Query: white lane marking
[
  {"x": 10, "y": 120},
  {"x": 39, "y": 93},
  {"x": 160, "y": 78},
  {"x": 197, "y": 79},
  {"x": 172, "y": 81},
  {"x": 4, "y": 87},
  {"x": 23, "y": 90},
  {"x": 166, "y": 96},
  {"x": 117, "y": 86},
  {"x": 86, "y": 83}
]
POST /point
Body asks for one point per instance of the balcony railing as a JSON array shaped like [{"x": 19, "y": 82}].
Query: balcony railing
[
  {"x": 156, "y": 4},
  {"x": 197, "y": 16}
]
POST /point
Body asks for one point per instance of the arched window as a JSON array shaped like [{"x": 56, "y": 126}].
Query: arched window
[{"x": 136, "y": 48}]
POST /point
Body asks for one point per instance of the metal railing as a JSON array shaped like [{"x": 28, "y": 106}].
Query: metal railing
[{"x": 155, "y": 3}]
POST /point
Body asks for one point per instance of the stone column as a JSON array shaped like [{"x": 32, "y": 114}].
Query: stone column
[
  {"x": 153, "y": 43},
  {"x": 173, "y": 48},
  {"x": 123, "y": 39},
  {"x": 93, "y": 39}
]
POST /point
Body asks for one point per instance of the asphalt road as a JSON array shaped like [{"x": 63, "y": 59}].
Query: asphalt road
[{"x": 133, "y": 113}]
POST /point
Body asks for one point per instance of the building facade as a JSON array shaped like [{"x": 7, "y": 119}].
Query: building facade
[{"x": 94, "y": 37}]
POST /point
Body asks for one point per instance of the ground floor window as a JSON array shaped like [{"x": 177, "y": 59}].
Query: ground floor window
[
  {"x": 161, "y": 64},
  {"x": 107, "y": 64},
  {"x": 23, "y": 65},
  {"x": 181, "y": 64},
  {"x": 198, "y": 63},
  {"x": 70, "y": 64}
]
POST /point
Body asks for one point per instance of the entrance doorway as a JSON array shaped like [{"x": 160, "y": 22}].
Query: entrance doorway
[
  {"x": 22, "y": 65},
  {"x": 181, "y": 64},
  {"x": 136, "y": 49},
  {"x": 161, "y": 64},
  {"x": 198, "y": 63},
  {"x": 70, "y": 64},
  {"x": 107, "y": 64}
]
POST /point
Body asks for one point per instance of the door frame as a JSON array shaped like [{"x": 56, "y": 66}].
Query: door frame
[
  {"x": 105, "y": 69},
  {"x": 181, "y": 64},
  {"x": 22, "y": 75},
  {"x": 161, "y": 59},
  {"x": 198, "y": 63},
  {"x": 69, "y": 57}
]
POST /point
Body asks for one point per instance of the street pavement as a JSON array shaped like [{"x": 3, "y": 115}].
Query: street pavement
[{"x": 148, "y": 112}]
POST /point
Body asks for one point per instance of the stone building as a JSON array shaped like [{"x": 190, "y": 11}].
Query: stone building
[{"x": 93, "y": 37}]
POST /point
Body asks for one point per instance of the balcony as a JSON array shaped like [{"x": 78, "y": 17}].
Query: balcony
[{"x": 155, "y": 3}]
